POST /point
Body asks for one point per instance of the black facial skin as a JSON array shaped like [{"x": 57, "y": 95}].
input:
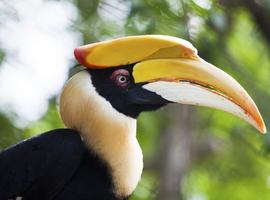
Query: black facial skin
[{"x": 123, "y": 94}]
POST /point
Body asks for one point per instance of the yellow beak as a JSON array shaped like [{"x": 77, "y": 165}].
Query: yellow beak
[{"x": 171, "y": 68}]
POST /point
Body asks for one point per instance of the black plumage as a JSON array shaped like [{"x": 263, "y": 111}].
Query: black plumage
[{"x": 54, "y": 166}]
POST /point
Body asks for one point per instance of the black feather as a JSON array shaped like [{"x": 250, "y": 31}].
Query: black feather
[{"x": 54, "y": 166}]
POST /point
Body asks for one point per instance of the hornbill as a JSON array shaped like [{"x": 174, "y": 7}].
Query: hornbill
[{"x": 98, "y": 156}]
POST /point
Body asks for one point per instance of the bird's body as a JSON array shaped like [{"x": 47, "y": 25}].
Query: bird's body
[
  {"x": 99, "y": 157},
  {"x": 55, "y": 165}
]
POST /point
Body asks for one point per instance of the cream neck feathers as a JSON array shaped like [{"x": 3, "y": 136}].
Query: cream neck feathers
[{"x": 110, "y": 134}]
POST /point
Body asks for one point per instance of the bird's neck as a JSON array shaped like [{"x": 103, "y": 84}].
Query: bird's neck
[
  {"x": 114, "y": 140},
  {"x": 105, "y": 131}
]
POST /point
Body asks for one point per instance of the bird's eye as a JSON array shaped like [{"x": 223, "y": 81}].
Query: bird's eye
[{"x": 121, "y": 77}]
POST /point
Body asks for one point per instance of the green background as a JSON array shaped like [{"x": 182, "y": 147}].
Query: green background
[{"x": 221, "y": 157}]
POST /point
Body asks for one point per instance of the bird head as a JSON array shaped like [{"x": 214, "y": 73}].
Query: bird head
[{"x": 143, "y": 73}]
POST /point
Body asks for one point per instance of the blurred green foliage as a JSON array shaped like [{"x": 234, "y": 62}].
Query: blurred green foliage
[{"x": 239, "y": 167}]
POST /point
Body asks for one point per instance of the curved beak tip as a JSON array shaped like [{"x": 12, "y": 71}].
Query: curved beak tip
[
  {"x": 263, "y": 129},
  {"x": 259, "y": 122}
]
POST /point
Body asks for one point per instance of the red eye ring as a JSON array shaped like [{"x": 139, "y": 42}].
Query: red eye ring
[{"x": 121, "y": 77}]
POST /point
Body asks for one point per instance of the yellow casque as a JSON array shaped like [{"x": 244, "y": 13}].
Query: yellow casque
[{"x": 132, "y": 49}]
